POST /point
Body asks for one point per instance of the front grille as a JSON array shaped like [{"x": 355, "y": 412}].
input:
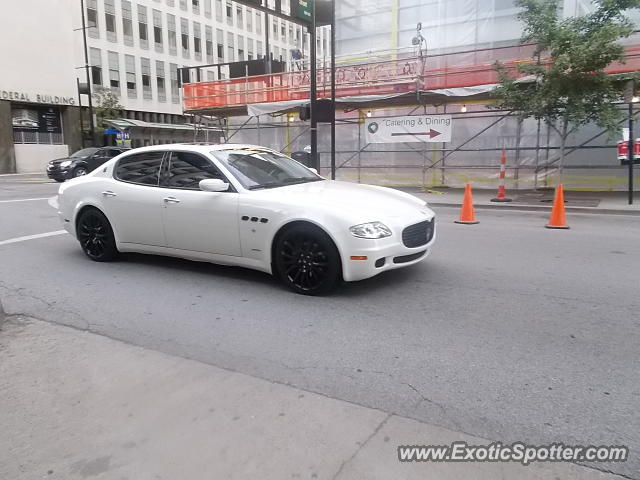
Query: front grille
[
  {"x": 408, "y": 258},
  {"x": 419, "y": 234}
]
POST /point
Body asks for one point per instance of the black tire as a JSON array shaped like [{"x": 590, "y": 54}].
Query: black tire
[
  {"x": 96, "y": 236},
  {"x": 307, "y": 261},
  {"x": 59, "y": 180},
  {"x": 79, "y": 172}
]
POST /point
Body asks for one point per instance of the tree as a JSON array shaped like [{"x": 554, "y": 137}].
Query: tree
[
  {"x": 565, "y": 84},
  {"x": 107, "y": 107}
]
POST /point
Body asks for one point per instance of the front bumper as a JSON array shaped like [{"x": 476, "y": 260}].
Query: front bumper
[
  {"x": 57, "y": 173},
  {"x": 382, "y": 255}
]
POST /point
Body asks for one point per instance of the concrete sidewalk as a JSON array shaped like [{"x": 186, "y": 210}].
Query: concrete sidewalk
[
  {"x": 530, "y": 200},
  {"x": 75, "y": 405}
]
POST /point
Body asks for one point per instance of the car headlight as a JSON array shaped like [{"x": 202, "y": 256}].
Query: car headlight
[
  {"x": 66, "y": 163},
  {"x": 371, "y": 230}
]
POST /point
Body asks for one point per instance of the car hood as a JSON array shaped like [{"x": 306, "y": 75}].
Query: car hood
[
  {"x": 346, "y": 197},
  {"x": 60, "y": 160}
]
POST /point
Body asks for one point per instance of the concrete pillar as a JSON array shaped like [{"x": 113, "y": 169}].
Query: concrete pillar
[
  {"x": 7, "y": 153},
  {"x": 71, "y": 128}
]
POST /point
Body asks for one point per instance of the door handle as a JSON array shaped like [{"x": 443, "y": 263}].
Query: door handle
[
  {"x": 171, "y": 200},
  {"x": 109, "y": 193}
]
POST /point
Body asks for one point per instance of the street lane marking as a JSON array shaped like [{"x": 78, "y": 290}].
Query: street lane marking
[
  {"x": 24, "y": 200},
  {"x": 53, "y": 202},
  {"x": 32, "y": 237}
]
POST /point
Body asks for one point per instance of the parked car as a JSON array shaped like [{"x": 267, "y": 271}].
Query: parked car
[
  {"x": 246, "y": 206},
  {"x": 81, "y": 162}
]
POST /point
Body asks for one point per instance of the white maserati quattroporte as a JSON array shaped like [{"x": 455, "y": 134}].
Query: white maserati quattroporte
[{"x": 247, "y": 206}]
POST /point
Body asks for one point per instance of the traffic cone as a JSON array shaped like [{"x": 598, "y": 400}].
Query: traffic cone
[
  {"x": 502, "y": 193},
  {"x": 558, "y": 216},
  {"x": 467, "y": 215}
]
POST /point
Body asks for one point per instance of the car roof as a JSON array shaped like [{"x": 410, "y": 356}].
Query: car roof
[{"x": 200, "y": 147}]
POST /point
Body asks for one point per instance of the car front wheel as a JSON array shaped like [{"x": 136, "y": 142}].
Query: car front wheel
[
  {"x": 307, "y": 260},
  {"x": 96, "y": 236},
  {"x": 79, "y": 172}
]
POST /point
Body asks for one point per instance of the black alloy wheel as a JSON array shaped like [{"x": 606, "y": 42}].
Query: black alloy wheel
[
  {"x": 96, "y": 236},
  {"x": 79, "y": 172},
  {"x": 307, "y": 260}
]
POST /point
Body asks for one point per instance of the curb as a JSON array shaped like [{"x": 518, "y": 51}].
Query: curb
[{"x": 545, "y": 209}]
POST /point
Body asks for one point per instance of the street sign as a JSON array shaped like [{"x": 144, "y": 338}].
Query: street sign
[
  {"x": 301, "y": 9},
  {"x": 418, "y": 128}
]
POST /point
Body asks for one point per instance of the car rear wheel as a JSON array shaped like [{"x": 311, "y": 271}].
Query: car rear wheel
[
  {"x": 96, "y": 236},
  {"x": 307, "y": 260},
  {"x": 79, "y": 172}
]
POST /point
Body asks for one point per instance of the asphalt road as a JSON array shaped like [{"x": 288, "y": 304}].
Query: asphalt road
[{"x": 508, "y": 331}]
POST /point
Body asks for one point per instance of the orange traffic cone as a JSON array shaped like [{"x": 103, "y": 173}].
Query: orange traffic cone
[
  {"x": 467, "y": 215},
  {"x": 558, "y": 217}
]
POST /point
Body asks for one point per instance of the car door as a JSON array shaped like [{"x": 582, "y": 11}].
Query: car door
[
  {"x": 132, "y": 200},
  {"x": 195, "y": 220},
  {"x": 97, "y": 159}
]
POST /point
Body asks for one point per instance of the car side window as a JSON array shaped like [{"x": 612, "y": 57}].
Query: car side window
[
  {"x": 141, "y": 168},
  {"x": 186, "y": 169},
  {"x": 112, "y": 153}
]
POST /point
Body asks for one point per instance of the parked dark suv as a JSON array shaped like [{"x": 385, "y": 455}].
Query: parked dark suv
[{"x": 81, "y": 162}]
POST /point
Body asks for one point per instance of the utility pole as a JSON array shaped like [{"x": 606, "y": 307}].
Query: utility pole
[
  {"x": 86, "y": 69},
  {"x": 631, "y": 152},
  {"x": 333, "y": 89},
  {"x": 313, "y": 104}
]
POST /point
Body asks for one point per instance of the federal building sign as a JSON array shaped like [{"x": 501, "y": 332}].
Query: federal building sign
[{"x": 29, "y": 97}]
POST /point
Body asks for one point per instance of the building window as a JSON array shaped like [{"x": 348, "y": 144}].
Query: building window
[
  {"x": 171, "y": 28},
  {"x": 259, "y": 50},
  {"x": 175, "y": 90},
  {"x": 258, "y": 22},
  {"x": 110, "y": 20},
  {"x": 218, "y": 11},
  {"x": 184, "y": 35},
  {"x": 207, "y": 8},
  {"x": 92, "y": 18},
  {"x": 230, "y": 47},
  {"x": 249, "y": 48},
  {"x": 130, "y": 69},
  {"x": 127, "y": 23},
  {"x": 171, "y": 3},
  {"x": 195, "y": 6},
  {"x": 283, "y": 32},
  {"x": 157, "y": 30},
  {"x": 160, "y": 83},
  {"x": 145, "y": 70},
  {"x": 96, "y": 66},
  {"x": 142, "y": 27},
  {"x": 239, "y": 18},
  {"x": 229, "y": 13},
  {"x": 197, "y": 41},
  {"x": 36, "y": 124},
  {"x": 114, "y": 72},
  {"x": 240, "y": 48},
  {"x": 249, "y": 20},
  {"x": 183, "y": 5},
  {"x": 220, "y": 45},
  {"x": 208, "y": 43}
]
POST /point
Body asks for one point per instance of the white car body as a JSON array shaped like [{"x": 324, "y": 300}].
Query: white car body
[{"x": 242, "y": 224}]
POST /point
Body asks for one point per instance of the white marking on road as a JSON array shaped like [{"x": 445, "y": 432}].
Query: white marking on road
[
  {"x": 53, "y": 202},
  {"x": 24, "y": 200},
  {"x": 32, "y": 237}
]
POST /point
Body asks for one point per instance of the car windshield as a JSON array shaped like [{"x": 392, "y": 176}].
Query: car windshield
[
  {"x": 85, "y": 152},
  {"x": 256, "y": 169}
]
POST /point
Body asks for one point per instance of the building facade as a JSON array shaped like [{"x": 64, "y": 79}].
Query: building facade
[{"x": 135, "y": 48}]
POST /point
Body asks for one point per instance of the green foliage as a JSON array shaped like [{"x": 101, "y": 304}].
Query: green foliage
[
  {"x": 107, "y": 106},
  {"x": 567, "y": 83}
]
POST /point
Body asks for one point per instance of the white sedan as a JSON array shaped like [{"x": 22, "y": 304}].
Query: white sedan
[{"x": 247, "y": 206}]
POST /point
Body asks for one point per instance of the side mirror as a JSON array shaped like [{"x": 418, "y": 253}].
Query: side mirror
[
  {"x": 213, "y": 185},
  {"x": 313, "y": 170}
]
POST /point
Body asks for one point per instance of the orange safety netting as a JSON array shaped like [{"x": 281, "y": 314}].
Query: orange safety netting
[{"x": 461, "y": 69}]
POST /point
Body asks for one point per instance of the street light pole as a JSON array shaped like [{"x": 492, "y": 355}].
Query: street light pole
[
  {"x": 630, "y": 153},
  {"x": 86, "y": 69},
  {"x": 313, "y": 104},
  {"x": 333, "y": 89}
]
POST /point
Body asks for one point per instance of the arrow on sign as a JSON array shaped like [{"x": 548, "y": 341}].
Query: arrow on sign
[{"x": 431, "y": 133}]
